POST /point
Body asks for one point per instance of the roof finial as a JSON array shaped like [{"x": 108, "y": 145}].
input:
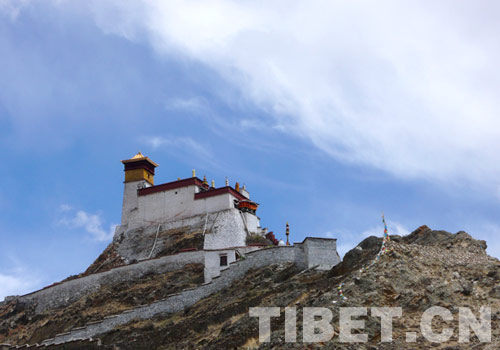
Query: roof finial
[
  {"x": 213, "y": 184},
  {"x": 237, "y": 187},
  {"x": 138, "y": 155},
  {"x": 227, "y": 182},
  {"x": 205, "y": 182},
  {"x": 194, "y": 173},
  {"x": 287, "y": 233}
]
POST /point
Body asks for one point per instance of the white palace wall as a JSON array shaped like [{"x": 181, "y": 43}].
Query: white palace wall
[{"x": 169, "y": 205}]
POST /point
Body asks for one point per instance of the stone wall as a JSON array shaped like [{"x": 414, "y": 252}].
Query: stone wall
[
  {"x": 178, "y": 208},
  {"x": 212, "y": 262},
  {"x": 136, "y": 244},
  {"x": 313, "y": 252},
  {"x": 130, "y": 203},
  {"x": 227, "y": 230},
  {"x": 320, "y": 252},
  {"x": 252, "y": 223},
  {"x": 178, "y": 302},
  {"x": 173, "y": 204},
  {"x": 70, "y": 291},
  {"x": 223, "y": 229}
]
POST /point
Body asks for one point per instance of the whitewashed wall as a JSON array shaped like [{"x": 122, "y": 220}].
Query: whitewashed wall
[{"x": 177, "y": 203}]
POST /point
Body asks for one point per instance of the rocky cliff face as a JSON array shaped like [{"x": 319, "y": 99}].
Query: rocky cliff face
[{"x": 426, "y": 268}]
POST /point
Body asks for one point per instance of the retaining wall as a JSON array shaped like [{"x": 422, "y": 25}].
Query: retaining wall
[
  {"x": 178, "y": 302},
  {"x": 67, "y": 292},
  {"x": 312, "y": 252},
  {"x": 222, "y": 229}
]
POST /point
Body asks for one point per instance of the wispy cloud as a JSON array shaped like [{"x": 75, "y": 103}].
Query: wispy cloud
[
  {"x": 388, "y": 84},
  {"x": 488, "y": 231},
  {"x": 154, "y": 142},
  {"x": 12, "y": 7},
  {"x": 394, "y": 228},
  {"x": 181, "y": 147},
  {"x": 347, "y": 240},
  {"x": 344, "y": 244},
  {"x": 329, "y": 235},
  {"x": 17, "y": 282},
  {"x": 190, "y": 104},
  {"x": 344, "y": 248},
  {"x": 91, "y": 223}
]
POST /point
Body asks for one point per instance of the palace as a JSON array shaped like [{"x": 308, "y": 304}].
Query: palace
[
  {"x": 187, "y": 200},
  {"x": 190, "y": 215},
  {"x": 173, "y": 227}
]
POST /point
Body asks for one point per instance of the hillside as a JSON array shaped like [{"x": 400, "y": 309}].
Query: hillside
[{"x": 426, "y": 268}]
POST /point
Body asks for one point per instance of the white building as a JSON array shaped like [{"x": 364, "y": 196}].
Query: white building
[
  {"x": 146, "y": 204},
  {"x": 221, "y": 222}
]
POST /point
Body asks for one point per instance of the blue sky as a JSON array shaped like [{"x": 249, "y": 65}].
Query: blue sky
[{"x": 329, "y": 112}]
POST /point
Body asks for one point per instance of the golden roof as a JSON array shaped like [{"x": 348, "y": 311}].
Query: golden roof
[{"x": 137, "y": 157}]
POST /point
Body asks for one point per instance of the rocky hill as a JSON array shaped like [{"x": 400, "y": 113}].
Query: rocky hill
[{"x": 426, "y": 268}]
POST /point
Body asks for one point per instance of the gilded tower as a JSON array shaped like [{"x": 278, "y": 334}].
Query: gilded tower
[
  {"x": 139, "y": 168},
  {"x": 139, "y": 173}
]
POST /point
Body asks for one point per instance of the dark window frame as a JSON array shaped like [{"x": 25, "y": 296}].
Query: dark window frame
[{"x": 223, "y": 260}]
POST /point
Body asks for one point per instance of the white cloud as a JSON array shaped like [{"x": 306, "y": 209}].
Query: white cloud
[
  {"x": 344, "y": 248},
  {"x": 407, "y": 87},
  {"x": 13, "y": 7},
  {"x": 347, "y": 240},
  {"x": 186, "y": 148},
  {"x": 91, "y": 223},
  {"x": 192, "y": 104},
  {"x": 489, "y": 232},
  {"x": 154, "y": 141},
  {"x": 65, "y": 207},
  {"x": 18, "y": 282},
  {"x": 186, "y": 143},
  {"x": 394, "y": 228}
]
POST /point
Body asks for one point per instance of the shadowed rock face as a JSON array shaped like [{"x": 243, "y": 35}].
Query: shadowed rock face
[
  {"x": 426, "y": 268},
  {"x": 424, "y": 236},
  {"x": 357, "y": 257}
]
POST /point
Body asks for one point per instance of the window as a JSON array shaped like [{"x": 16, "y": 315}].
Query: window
[{"x": 223, "y": 260}]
